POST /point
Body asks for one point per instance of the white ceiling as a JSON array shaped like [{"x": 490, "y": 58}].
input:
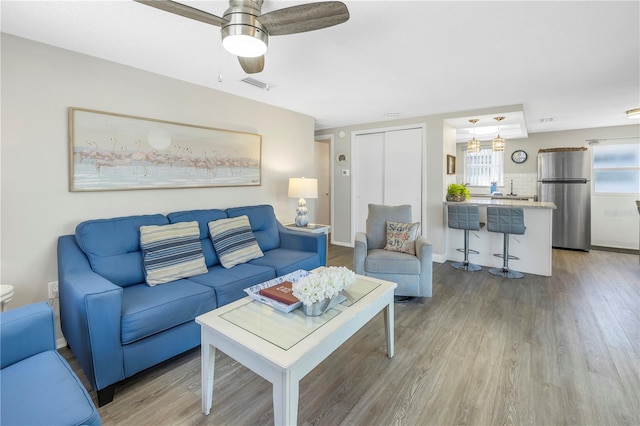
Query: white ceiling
[{"x": 575, "y": 62}]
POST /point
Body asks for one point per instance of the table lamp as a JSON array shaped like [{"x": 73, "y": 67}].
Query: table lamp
[{"x": 302, "y": 188}]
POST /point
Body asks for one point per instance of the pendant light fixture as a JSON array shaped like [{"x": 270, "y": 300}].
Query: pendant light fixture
[
  {"x": 474, "y": 144},
  {"x": 498, "y": 142}
]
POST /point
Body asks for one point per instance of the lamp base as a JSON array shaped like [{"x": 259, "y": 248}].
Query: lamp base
[{"x": 302, "y": 219}]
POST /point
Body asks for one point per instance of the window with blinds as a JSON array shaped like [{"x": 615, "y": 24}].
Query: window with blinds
[
  {"x": 482, "y": 168},
  {"x": 616, "y": 167}
]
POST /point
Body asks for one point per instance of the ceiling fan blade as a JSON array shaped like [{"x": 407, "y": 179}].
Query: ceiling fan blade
[
  {"x": 184, "y": 10},
  {"x": 305, "y": 17},
  {"x": 252, "y": 65}
]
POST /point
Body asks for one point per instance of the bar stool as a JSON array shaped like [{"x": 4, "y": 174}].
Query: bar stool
[
  {"x": 506, "y": 220},
  {"x": 467, "y": 218}
]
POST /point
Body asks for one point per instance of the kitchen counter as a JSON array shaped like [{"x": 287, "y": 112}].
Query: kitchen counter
[
  {"x": 503, "y": 201},
  {"x": 533, "y": 248}
]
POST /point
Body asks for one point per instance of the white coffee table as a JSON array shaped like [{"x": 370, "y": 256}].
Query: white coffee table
[{"x": 283, "y": 348}]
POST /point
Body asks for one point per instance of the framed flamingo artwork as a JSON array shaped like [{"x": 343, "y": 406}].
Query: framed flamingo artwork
[{"x": 111, "y": 152}]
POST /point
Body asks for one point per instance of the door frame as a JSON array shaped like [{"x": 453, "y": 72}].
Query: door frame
[
  {"x": 330, "y": 138},
  {"x": 354, "y": 171}
]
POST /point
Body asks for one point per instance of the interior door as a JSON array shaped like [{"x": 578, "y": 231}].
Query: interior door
[
  {"x": 387, "y": 168},
  {"x": 403, "y": 170},
  {"x": 368, "y": 163}
]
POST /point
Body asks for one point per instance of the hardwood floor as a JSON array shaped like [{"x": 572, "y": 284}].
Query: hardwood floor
[{"x": 483, "y": 351}]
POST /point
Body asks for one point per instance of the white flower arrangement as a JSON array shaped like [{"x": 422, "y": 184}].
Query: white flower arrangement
[{"x": 323, "y": 284}]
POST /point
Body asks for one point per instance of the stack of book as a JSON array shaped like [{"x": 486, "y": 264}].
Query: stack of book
[{"x": 282, "y": 293}]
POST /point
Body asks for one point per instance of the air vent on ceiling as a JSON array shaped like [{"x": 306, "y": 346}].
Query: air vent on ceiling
[{"x": 257, "y": 83}]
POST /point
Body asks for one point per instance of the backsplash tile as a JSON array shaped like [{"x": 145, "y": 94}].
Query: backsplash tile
[{"x": 523, "y": 184}]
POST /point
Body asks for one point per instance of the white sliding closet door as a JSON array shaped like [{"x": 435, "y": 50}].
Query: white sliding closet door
[
  {"x": 403, "y": 170},
  {"x": 369, "y": 162},
  {"x": 387, "y": 170}
]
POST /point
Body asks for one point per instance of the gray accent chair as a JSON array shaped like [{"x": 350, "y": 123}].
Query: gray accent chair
[{"x": 413, "y": 274}]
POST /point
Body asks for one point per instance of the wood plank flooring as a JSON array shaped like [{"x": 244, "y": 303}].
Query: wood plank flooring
[{"x": 483, "y": 351}]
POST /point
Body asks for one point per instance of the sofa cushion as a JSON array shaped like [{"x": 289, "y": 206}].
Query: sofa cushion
[
  {"x": 203, "y": 217},
  {"x": 233, "y": 240},
  {"x": 44, "y": 390},
  {"x": 113, "y": 246},
  {"x": 171, "y": 252},
  {"x": 229, "y": 284},
  {"x": 285, "y": 260},
  {"x": 149, "y": 310},
  {"x": 391, "y": 262},
  {"x": 402, "y": 236},
  {"x": 263, "y": 224}
]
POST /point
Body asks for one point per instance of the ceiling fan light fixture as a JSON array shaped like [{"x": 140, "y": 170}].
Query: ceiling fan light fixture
[
  {"x": 244, "y": 41},
  {"x": 633, "y": 113}
]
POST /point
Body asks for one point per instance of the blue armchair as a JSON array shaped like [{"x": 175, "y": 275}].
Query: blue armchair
[{"x": 38, "y": 387}]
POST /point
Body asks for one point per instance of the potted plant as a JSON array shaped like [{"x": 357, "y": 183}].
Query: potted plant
[{"x": 457, "y": 192}]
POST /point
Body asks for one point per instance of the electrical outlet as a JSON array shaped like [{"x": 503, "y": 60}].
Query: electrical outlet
[{"x": 53, "y": 290}]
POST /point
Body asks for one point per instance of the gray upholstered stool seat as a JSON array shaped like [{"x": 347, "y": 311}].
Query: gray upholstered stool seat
[
  {"x": 506, "y": 220},
  {"x": 468, "y": 219}
]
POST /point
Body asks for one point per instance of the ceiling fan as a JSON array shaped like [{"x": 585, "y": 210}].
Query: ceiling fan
[{"x": 245, "y": 30}]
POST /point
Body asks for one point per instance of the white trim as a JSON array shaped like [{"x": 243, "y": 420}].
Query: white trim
[{"x": 332, "y": 154}]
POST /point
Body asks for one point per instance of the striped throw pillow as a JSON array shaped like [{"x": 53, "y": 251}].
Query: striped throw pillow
[
  {"x": 171, "y": 252},
  {"x": 234, "y": 241}
]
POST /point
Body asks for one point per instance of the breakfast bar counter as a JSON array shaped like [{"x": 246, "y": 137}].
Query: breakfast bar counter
[{"x": 533, "y": 248}]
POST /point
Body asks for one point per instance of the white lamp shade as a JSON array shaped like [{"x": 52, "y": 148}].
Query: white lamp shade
[{"x": 303, "y": 188}]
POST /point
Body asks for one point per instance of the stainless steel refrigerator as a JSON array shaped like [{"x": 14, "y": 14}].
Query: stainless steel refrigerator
[{"x": 564, "y": 178}]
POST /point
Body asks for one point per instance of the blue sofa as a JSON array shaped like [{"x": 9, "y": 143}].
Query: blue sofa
[
  {"x": 117, "y": 325},
  {"x": 37, "y": 385}
]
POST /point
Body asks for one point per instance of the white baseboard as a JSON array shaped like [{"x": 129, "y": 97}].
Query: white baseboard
[
  {"x": 61, "y": 342},
  {"x": 340, "y": 243},
  {"x": 439, "y": 258}
]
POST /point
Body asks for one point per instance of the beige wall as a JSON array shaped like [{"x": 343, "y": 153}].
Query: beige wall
[{"x": 40, "y": 82}]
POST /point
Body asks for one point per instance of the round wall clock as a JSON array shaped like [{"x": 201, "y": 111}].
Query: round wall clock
[{"x": 519, "y": 156}]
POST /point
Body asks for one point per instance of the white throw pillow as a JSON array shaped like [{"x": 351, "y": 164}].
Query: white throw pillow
[{"x": 402, "y": 236}]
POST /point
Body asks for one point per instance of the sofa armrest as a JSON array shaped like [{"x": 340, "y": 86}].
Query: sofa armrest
[
  {"x": 424, "y": 252},
  {"x": 90, "y": 312},
  {"x": 360, "y": 252},
  {"x": 304, "y": 241},
  {"x": 26, "y": 331}
]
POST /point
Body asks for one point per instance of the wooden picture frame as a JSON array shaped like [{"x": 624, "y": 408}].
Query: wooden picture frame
[
  {"x": 112, "y": 152},
  {"x": 451, "y": 165}
]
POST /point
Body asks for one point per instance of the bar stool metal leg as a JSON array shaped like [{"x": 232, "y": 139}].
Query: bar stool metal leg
[
  {"x": 505, "y": 271},
  {"x": 465, "y": 265}
]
